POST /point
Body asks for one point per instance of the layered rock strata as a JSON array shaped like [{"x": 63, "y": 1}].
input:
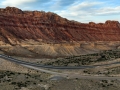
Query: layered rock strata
[{"x": 46, "y": 33}]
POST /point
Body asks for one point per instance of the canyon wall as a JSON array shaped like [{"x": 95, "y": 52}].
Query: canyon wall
[{"x": 46, "y": 33}]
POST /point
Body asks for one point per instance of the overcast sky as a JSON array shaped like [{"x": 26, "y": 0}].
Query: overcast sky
[{"x": 79, "y": 10}]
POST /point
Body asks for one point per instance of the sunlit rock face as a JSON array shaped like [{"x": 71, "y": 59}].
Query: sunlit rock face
[{"x": 46, "y": 33}]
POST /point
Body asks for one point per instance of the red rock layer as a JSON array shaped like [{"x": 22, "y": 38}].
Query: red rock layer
[{"x": 20, "y": 25}]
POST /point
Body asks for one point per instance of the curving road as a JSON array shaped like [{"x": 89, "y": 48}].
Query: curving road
[
  {"x": 38, "y": 67},
  {"x": 48, "y": 66}
]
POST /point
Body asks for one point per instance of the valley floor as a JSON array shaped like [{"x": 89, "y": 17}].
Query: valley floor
[{"x": 17, "y": 77}]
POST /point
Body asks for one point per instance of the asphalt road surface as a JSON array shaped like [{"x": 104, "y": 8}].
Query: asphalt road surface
[
  {"x": 9, "y": 58},
  {"x": 71, "y": 76}
]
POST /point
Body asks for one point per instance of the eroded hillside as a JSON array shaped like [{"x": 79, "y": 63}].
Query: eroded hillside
[{"x": 46, "y": 33}]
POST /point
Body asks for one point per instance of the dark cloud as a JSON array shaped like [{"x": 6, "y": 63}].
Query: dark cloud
[{"x": 66, "y": 2}]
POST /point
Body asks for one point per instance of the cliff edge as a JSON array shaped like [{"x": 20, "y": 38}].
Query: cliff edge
[{"x": 25, "y": 28}]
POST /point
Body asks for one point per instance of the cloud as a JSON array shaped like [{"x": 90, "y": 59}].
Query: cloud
[
  {"x": 83, "y": 6},
  {"x": 15, "y": 2},
  {"x": 83, "y": 9},
  {"x": 86, "y": 11},
  {"x": 108, "y": 11},
  {"x": 61, "y": 4},
  {"x": 65, "y": 2}
]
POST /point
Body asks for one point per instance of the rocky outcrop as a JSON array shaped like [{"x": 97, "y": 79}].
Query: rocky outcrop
[
  {"x": 19, "y": 25},
  {"x": 26, "y": 28}
]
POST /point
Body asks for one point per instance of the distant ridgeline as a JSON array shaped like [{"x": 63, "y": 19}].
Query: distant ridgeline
[
  {"x": 46, "y": 33},
  {"x": 19, "y": 25}
]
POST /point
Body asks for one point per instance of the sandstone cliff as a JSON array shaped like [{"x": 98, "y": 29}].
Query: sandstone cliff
[{"x": 27, "y": 28}]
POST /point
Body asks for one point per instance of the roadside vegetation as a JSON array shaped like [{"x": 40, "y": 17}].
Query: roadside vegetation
[
  {"x": 25, "y": 81},
  {"x": 86, "y": 59},
  {"x": 15, "y": 81}
]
